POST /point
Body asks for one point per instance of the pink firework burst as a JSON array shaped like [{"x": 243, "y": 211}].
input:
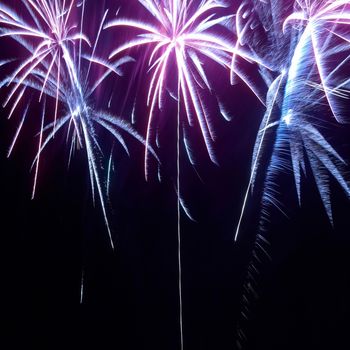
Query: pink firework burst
[{"x": 184, "y": 33}]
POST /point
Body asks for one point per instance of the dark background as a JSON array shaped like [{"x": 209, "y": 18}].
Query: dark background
[{"x": 130, "y": 295}]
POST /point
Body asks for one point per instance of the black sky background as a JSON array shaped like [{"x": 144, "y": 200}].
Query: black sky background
[{"x": 130, "y": 295}]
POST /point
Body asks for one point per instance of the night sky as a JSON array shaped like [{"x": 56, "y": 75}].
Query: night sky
[{"x": 131, "y": 295}]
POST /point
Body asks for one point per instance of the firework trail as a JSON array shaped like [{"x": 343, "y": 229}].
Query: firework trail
[
  {"x": 54, "y": 69},
  {"x": 184, "y": 34},
  {"x": 306, "y": 86}
]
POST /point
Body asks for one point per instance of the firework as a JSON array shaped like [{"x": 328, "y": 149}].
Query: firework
[
  {"x": 54, "y": 32},
  {"x": 299, "y": 93},
  {"x": 184, "y": 33},
  {"x": 53, "y": 68},
  {"x": 310, "y": 84},
  {"x": 322, "y": 20}
]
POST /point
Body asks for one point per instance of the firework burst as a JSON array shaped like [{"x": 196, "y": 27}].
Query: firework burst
[
  {"x": 299, "y": 92},
  {"x": 184, "y": 33},
  {"x": 54, "y": 69},
  {"x": 183, "y": 36},
  {"x": 309, "y": 86},
  {"x": 52, "y": 31}
]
